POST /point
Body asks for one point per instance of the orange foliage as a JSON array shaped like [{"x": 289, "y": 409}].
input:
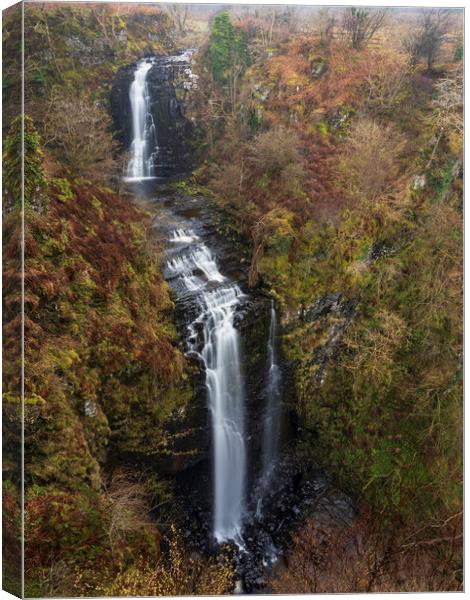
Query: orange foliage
[{"x": 328, "y": 556}]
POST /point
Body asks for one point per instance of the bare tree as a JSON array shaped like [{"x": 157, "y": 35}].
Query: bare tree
[
  {"x": 179, "y": 14},
  {"x": 81, "y": 131},
  {"x": 426, "y": 42},
  {"x": 325, "y": 27},
  {"x": 370, "y": 163},
  {"x": 447, "y": 116},
  {"x": 360, "y": 25},
  {"x": 129, "y": 509},
  {"x": 448, "y": 103},
  {"x": 386, "y": 81},
  {"x": 266, "y": 22}
]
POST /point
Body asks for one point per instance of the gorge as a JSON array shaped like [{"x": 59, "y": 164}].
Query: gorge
[
  {"x": 250, "y": 483},
  {"x": 242, "y": 349}
]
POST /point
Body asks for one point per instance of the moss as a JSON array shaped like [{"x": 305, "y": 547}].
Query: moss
[
  {"x": 323, "y": 128},
  {"x": 103, "y": 374},
  {"x": 441, "y": 179},
  {"x": 63, "y": 189},
  {"x": 98, "y": 207}
]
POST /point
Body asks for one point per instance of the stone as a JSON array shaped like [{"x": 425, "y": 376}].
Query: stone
[
  {"x": 90, "y": 408},
  {"x": 318, "y": 68},
  {"x": 419, "y": 182}
]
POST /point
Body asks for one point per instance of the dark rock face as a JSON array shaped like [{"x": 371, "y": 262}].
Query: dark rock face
[
  {"x": 295, "y": 494},
  {"x": 89, "y": 52},
  {"x": 174, "y": 133},
  {"x": 333, "y": 314},
  {"x": 121, "y": 104},
  {"x": 318, "y": 67}
]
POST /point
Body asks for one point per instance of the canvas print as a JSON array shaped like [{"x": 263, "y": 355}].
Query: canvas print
[{"x": 232, "y": 299}]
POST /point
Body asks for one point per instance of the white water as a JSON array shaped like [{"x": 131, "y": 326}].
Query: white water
[
  {"x": 216, "y": 302},
  {"x": 143, "y": 130},
  {"x": 200, "y": 259},
  {"x": 221, "y": 354},
  {"x": 183, "y": 236},
  {"x": 272, "y": 415}
]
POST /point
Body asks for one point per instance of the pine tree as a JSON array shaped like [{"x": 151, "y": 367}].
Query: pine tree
[{"x": 228, "y": 49}]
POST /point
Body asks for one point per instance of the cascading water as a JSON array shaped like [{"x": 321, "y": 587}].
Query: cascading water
[
  {"x": 272, "y": 415},
  {"x": 273, "y": 395},
  {"x": 221, "y": 354},
  {"x": 211, "y": 302},
  {"x": 195, "y": 272},
  {"x": 143, "y": 130}
]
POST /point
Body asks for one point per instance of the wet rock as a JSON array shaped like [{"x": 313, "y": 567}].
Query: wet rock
[
  {"x": 318, "y": 68},
  {"x": 322, "y": 306}
]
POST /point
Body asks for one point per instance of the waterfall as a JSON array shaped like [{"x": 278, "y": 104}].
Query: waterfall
[
  {"x": 194, "y": 272},
  {"x": 272, "y": 415},
  {"x": 143, "y": 130},
  {"x": 221, "y": 354}
]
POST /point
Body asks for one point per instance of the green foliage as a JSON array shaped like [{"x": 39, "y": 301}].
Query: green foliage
[
  {"x": 390, "y": 407},
  {"x": 228, "y": 49},
  {"x": 441, "y": 179},
  {"x": 459, "y": 51},
  {"x": 64, "y": 189},
  {"x": 22, "y": 133}
]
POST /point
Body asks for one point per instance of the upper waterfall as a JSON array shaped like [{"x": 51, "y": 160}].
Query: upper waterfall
[
  {"x": 148, "y": 112},
  {"x": 143, "y": 128}
]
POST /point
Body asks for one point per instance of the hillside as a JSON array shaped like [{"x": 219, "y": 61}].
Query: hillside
[{"x": 327, "y": 194}]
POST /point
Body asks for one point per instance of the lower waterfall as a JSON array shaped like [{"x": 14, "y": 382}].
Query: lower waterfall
[
  {"x": 195, "y": 272},
  {"x": 221, "y": 354}
]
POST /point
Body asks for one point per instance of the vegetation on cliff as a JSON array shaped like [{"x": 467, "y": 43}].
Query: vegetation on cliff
[
  {"x": 341, "y": 161},
  {"x": 103, "y": 375},
  {"x": 336, "y": 151},
  {"x": 104, "y": 378}
]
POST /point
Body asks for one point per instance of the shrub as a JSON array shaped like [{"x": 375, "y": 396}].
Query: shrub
[
  {"x": 80, "y": 132},
  {"x": 177, "y": 574}
]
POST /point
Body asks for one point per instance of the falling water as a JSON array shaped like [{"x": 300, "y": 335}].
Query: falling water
[
  {"x": 216, "y": 300},
  {"x": 221, "y": 354},
  {"x": 271, "y": 421},
  {"x": 143, "y": 130}
]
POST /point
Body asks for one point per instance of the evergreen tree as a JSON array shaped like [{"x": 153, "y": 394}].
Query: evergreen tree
[{"x": 228, "y": 49}]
